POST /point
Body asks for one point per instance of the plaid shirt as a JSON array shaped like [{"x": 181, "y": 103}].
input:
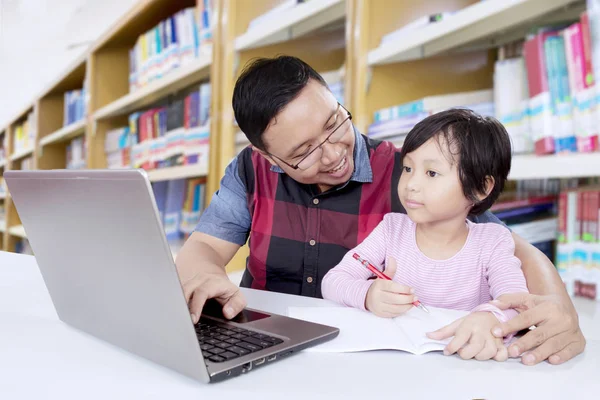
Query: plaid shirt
[{"x": 296, "y": 233}]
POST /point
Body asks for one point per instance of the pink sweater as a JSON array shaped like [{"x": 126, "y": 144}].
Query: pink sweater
[{"x": 482, "y": 270}]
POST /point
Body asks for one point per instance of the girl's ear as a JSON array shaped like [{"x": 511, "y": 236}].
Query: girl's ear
[
  {"x": 489, "y": 185},
  {"x": 264, "y": 154}
]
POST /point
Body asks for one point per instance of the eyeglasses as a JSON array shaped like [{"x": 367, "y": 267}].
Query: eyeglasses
[{"x": 313, "y": 156}]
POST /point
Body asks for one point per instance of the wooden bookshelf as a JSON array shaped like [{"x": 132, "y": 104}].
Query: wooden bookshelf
[
  {"x": 180, "y": 172},
  {"x": 157, "y": 90},
  {"x": 484, "y": 24},
  {"x": 450, "y": 56}
]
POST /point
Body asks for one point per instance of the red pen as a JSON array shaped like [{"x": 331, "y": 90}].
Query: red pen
[{"x": 381, "y": 275}]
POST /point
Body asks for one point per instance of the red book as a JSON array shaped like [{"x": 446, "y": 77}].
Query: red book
[{"x": 587, "y": 49}]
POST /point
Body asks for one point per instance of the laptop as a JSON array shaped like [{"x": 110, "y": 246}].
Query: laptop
[{"x": 103, "y": 254}]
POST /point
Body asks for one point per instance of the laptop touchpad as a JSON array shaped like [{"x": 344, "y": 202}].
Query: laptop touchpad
[{"x": 213, "y": 309}]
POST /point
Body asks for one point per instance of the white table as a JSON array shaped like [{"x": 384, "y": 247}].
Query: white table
[{"x": 43, "y": 358}]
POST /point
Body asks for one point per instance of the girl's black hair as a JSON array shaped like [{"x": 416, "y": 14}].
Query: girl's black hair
[{"x": 481, "y": 144}]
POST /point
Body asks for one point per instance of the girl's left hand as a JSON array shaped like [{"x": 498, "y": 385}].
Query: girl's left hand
[{"x": 473, "y": 337}]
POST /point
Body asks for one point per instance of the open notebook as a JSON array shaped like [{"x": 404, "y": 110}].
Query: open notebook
[{"x": 363, "y": 331}]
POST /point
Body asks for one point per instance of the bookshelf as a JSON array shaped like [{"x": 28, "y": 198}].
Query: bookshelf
[
  {"x": 484, "y": 24},
  {"x": 453, "y": 55}
]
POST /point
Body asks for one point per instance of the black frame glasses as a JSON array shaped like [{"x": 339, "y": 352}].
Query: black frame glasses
[{"x": 296, "y": 166}]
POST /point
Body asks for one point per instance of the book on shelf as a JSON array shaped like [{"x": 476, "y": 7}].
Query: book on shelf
[
  {"x": 180, "y": 203},
  {"x": 171, "y": 135},
  {"x": 24, "y": 133},
  {"x": 76, "y": 153},
  {"x": 3, "y": 146},
  {"x": 393, "y": 123},
  {"x": 75, "y": 106},
  {"x": 173, "y": 43},
  {"x": 578, "y": 248}
]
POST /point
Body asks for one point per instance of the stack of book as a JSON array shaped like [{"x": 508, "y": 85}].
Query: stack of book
[
  {"x": 546, "y": 96},
  {"x": 3, "y": 146},
  {"x": 75, "y": 106},
  {"x": 176, "y": 134},
  {"x": 76, "y": 153},
  {"x": 24, "y": 134},
  {"x": 578, "y": 249},
  {"x": 180, "y": 203},
  {"x": 175, "y": 42},
  {"x": 394, "y": 123}
]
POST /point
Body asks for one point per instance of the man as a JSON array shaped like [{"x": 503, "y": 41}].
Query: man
[{"x": 311, "y": 188}]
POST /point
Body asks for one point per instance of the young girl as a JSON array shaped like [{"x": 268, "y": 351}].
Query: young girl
[{"x": 455, "y": 164}]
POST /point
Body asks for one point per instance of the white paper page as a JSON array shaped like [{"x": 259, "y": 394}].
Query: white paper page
[
  {"x": 359, "y": 330},
  {"x": 416, "y": 323}
]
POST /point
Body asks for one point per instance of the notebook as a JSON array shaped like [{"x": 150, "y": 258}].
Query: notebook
[{"x": 364, "y": 331}]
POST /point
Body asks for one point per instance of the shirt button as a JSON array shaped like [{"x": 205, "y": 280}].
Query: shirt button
[
  {"x": 315, "y": 201},
  {"x": 309, "y": 279},
  {"x": 312, "y": 242}
]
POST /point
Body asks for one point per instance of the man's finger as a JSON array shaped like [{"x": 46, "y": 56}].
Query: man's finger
[
  {"x": 196, "y": 304},
  {"x": 234, "y": 305},
  {"x": 515, "y": 300},
  {"x": 525, "y": 320},
  {"x": 535, "y": 338},
  {"x": 545, "y": 350},
  {"x": 570, "y": 351},
  {"x": 446, "y": 331}
]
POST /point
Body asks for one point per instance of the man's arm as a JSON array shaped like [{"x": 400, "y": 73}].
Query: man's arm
[
  {"x": 223, "y": 228},
  {"x": 540, "y": 274},
  {"x": 557, "y": 336}
]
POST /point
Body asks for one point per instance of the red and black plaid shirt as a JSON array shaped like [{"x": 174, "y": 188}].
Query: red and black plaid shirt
[{"x": 298, "y": 234}]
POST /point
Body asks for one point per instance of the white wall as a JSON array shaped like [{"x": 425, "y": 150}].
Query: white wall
[{"x": 40, "y": 38}]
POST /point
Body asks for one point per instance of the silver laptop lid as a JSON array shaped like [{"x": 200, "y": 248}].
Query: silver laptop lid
[{"x": 94, "y": 233}]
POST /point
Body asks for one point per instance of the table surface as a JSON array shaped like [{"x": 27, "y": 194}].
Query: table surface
[{"x": 41, "y": 357}]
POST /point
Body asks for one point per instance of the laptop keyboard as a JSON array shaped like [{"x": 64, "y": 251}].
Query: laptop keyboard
[{"x": 221, "y": 343}]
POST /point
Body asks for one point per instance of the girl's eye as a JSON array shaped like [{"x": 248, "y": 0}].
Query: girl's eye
[
  {"x": 406, "y": 169},
  {"x": 432, "y": 174}
]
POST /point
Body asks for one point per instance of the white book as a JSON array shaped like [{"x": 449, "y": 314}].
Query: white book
[{"x": 364, "y": 331}]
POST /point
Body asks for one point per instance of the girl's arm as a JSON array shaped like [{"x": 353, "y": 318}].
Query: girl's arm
[{"x": 348, "y": 282}]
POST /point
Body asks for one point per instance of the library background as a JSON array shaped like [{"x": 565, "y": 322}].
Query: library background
[{"x": 153, "y": 91}]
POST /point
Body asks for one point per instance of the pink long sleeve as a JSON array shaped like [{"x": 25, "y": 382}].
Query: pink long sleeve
[{"x": 482, "y": 270}]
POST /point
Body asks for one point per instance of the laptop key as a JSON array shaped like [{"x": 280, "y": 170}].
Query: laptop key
[
  {"x": 238, "y": 330},
  {"x": 222, "y": 338},
  {"x": 238, "y": 336},
  {"x": 274, "y": 340},
  {"x": 233, "y": 340},
  {"x": 211, "y": 341},
  {"x": 206, "y": 346},
  {"x": 221, "y": 330},
  {"x": 216, "y": 350},
  {"x": 258, "y": 342},
  {"x": 260, "y": 336},
  {"x": 239, "y": 350},
  {"x": 249, "y": 346},
  {"x": 223, "y": 345},
  {"x": 206, "y": 354},
  {"x": 228, "y": 355},
  {"x": 216, "y": 359}
]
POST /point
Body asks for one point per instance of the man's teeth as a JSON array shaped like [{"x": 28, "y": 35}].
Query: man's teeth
[{"x": 340, "y": 166}]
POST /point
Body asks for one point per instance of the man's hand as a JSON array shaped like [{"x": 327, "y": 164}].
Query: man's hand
[
  {"x": 557, "y": 336},
  {"x": 210, "y": 285},
  {"x": 389, "y": 299},
  {"x": 472, "y": 337}
]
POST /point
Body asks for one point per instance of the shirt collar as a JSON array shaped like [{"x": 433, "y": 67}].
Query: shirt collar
[{"x": 362, "y": 163}]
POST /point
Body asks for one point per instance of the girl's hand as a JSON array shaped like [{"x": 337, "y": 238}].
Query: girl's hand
[
  {"x": 473, "y": 338},
  {"x": 389, "y": 299}
]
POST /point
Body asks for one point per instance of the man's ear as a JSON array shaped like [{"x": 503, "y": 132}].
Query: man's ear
[
  {"x": 489, "y": 186},
  {"x": 264, "y": 154}
]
